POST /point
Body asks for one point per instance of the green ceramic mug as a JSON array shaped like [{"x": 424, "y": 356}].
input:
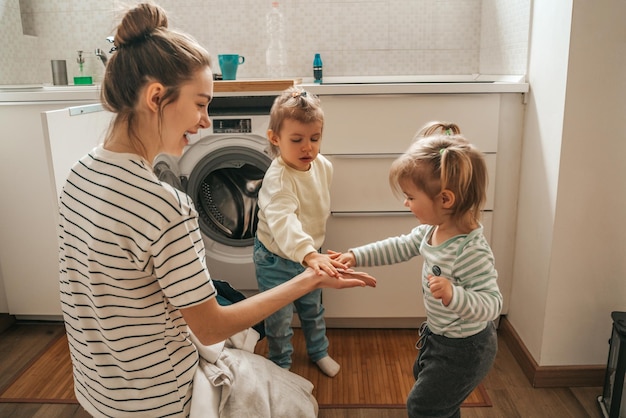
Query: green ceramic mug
[{"x": 229, "y": 64}]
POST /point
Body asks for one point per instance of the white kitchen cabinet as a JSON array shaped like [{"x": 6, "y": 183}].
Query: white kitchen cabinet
[
  {"x": 363, "y": 134},
  {"x": 361, "y": 183},
  {"x": 28, "y": 244},
  {"x": 379, "y": 124}
]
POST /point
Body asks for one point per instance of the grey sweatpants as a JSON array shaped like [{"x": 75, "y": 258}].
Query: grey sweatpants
[{"x": 447, "y": 370}]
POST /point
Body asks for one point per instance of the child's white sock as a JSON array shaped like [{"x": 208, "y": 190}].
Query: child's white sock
[{"x": 329, "y": 366}]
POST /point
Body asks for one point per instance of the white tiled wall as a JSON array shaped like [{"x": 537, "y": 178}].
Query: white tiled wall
[
  {"x": 504, "y": 36},
  {"x": 355, "y": 37}
]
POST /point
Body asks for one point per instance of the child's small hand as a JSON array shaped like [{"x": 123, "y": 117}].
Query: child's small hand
[
  {"x": 323, "y": 262},
  {"x": 346, "y": 259},
  {"x": 441, "y": 288},
  {"x": 333, "y": 254}
]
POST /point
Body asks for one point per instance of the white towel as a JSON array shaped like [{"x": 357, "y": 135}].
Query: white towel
[{"x": 242, "y": 384}]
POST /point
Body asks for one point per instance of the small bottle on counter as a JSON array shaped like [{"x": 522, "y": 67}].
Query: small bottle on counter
[{"x": 317, "y": 68}]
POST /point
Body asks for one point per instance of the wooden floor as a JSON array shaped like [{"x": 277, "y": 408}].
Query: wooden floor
[{"x": 508, "y": 388}]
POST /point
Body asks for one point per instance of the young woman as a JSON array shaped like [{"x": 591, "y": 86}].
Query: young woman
[{"x": 133, "y": 278}]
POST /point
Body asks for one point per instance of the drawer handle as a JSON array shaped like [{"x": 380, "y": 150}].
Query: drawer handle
[
  {"x": 347, "y": 213},
  {"x": 81, "y": 110},
  {"x": 363, "y": 156},
  {"x": 340, "y": 214},
  {"x": 382, "y": 155}
]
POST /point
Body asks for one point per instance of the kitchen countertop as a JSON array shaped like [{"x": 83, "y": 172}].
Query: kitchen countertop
[
  {"x": 330, "y": 86},
  {"x": 40, "y": 93},
  {"x": 424, "y": 84},
  {"x": 253, "y": 85}
]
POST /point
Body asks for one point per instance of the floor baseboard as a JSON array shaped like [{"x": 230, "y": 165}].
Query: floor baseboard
[
  {"x": 406, "y": 323},
  {"x": 6, "y": 321},
  {"x": 548, "y": 376}
]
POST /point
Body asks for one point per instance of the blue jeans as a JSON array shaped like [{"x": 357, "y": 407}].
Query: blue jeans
[
  {"x": 447, "y": 370},
  {"x": 271, "y": 271}
]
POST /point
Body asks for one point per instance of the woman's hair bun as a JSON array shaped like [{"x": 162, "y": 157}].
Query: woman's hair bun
[{"x": 139, "y": 23}]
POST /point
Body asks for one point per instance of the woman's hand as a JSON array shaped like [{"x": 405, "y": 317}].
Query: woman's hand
[
  {"x": 347, "y": 278},
  {"x": 228, "y": 320}
]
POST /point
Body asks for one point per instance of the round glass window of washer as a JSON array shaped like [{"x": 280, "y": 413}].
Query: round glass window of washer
[
  {"x": 224, "y": 187},
  {"x": 228, "y": 201}
]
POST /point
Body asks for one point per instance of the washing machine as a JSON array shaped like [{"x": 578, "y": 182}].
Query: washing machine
[{"x": 222, "y": 169}]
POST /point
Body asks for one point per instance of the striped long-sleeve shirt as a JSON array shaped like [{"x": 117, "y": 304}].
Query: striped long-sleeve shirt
[
  {"x": 131, "y": 254},
  {"x": 466, "y": 260}
]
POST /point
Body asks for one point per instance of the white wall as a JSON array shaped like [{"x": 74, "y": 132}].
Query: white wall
[
  {"x": 504, "y": 36},
  {"x": 539, "y": 173},
  {"x": 570, "y": 259},
  {"x": 18, "y": 52},
  {"x": 355, "y": 38}
]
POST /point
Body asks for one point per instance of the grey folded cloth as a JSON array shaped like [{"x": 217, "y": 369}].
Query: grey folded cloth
[{"x": 253, "y": 386}]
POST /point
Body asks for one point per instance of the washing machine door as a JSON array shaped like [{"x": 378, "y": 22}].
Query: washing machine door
[{"x": 223, "y": 174}]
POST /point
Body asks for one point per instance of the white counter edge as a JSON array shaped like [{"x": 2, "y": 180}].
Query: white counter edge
[
  {"x": 415, "y": 88},
  {"x": 92, "y": 93}
]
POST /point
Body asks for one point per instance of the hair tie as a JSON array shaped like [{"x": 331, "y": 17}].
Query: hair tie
[
  {"x": 442, "y": 150},
  {"x": 298, "y": 93},
  {"x": 448, "y": 132}
]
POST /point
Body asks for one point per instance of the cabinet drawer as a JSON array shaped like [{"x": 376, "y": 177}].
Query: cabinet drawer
[
  {"x": 381, "y": 124},
  {"x": 361, "y": 183},
  {"x": 398, "y": 293}
]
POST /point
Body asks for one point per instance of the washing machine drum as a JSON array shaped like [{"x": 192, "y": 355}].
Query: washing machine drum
[
  {"x": 227, "y": 200},
  {"x": 224, "y": 187}
]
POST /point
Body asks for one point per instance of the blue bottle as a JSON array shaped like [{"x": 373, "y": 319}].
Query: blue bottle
[{"x": 317, "y": 68}]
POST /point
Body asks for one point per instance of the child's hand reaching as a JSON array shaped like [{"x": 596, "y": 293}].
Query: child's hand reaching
[
  {"x": 347, "y": 259},
  {"x": 323, "y": 262}
]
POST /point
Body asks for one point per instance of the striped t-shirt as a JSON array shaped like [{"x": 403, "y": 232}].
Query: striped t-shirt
[
  {"x": 466, "y": 260},
  {"x": 130, "y": 255}
]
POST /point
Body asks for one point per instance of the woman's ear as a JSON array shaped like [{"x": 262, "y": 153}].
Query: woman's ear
[
  {"x": 153, "y": 96},
  {"x": 448, "y": 198}
]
